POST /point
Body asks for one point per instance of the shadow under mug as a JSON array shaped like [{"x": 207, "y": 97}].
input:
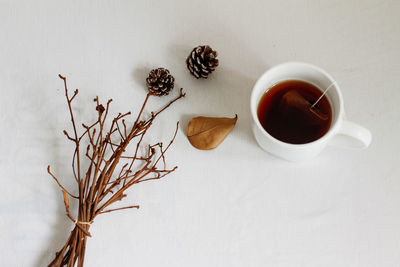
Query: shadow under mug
[{"x": 341, "y": 133}]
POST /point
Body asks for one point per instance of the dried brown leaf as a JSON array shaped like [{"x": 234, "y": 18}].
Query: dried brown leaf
[
  {"x": 206, "y": 133},
  {"x": 66, "y": 200}
]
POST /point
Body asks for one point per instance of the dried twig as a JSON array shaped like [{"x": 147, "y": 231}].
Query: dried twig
[{"x": 108, "y": 175}]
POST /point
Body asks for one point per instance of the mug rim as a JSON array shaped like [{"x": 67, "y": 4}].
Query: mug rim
[{"x": 254, "y": 105}]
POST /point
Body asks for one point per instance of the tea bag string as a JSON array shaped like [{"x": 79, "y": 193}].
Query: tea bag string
[{"x": 326, "y": 90}]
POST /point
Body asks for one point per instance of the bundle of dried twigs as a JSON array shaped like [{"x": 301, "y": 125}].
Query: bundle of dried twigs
[{"x": 111, "y": 170}]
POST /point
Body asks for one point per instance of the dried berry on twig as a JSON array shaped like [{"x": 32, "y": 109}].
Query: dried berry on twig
[
  {"x": 202, "y": 61},
  {"x": 160, "y": 82}
]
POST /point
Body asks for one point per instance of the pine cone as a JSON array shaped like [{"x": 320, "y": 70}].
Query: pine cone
[
  {"x": 202, "y": 61},
  {"x": 160, "y": 82}
]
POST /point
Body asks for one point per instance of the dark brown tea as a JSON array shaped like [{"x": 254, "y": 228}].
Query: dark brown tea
[{"x": 285, "y": 111}]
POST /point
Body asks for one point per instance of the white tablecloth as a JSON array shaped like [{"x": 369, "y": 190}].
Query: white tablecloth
[{"x": 235, "y": 205}]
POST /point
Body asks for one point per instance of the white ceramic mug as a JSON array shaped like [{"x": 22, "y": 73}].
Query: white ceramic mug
[{"x": 341, "y": 132}]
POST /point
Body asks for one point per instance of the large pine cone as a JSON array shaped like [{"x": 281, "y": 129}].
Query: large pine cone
[
  {"x": 202, "y": 61},
  {"x": 160, "y": 82}
]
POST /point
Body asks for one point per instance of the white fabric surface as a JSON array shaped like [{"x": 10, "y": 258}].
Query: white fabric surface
[{"x": 233, "y": 206}]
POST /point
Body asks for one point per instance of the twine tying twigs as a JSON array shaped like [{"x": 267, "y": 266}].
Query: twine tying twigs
[{"x": 87, "y": 223}]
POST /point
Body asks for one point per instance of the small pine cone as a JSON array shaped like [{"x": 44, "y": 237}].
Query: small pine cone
[
  {"x": 202, "y": 61},
  {"x": 160, "y": 82}
]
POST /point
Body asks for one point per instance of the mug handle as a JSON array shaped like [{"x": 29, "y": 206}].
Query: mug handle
[{"x": 352, "y": 135}]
